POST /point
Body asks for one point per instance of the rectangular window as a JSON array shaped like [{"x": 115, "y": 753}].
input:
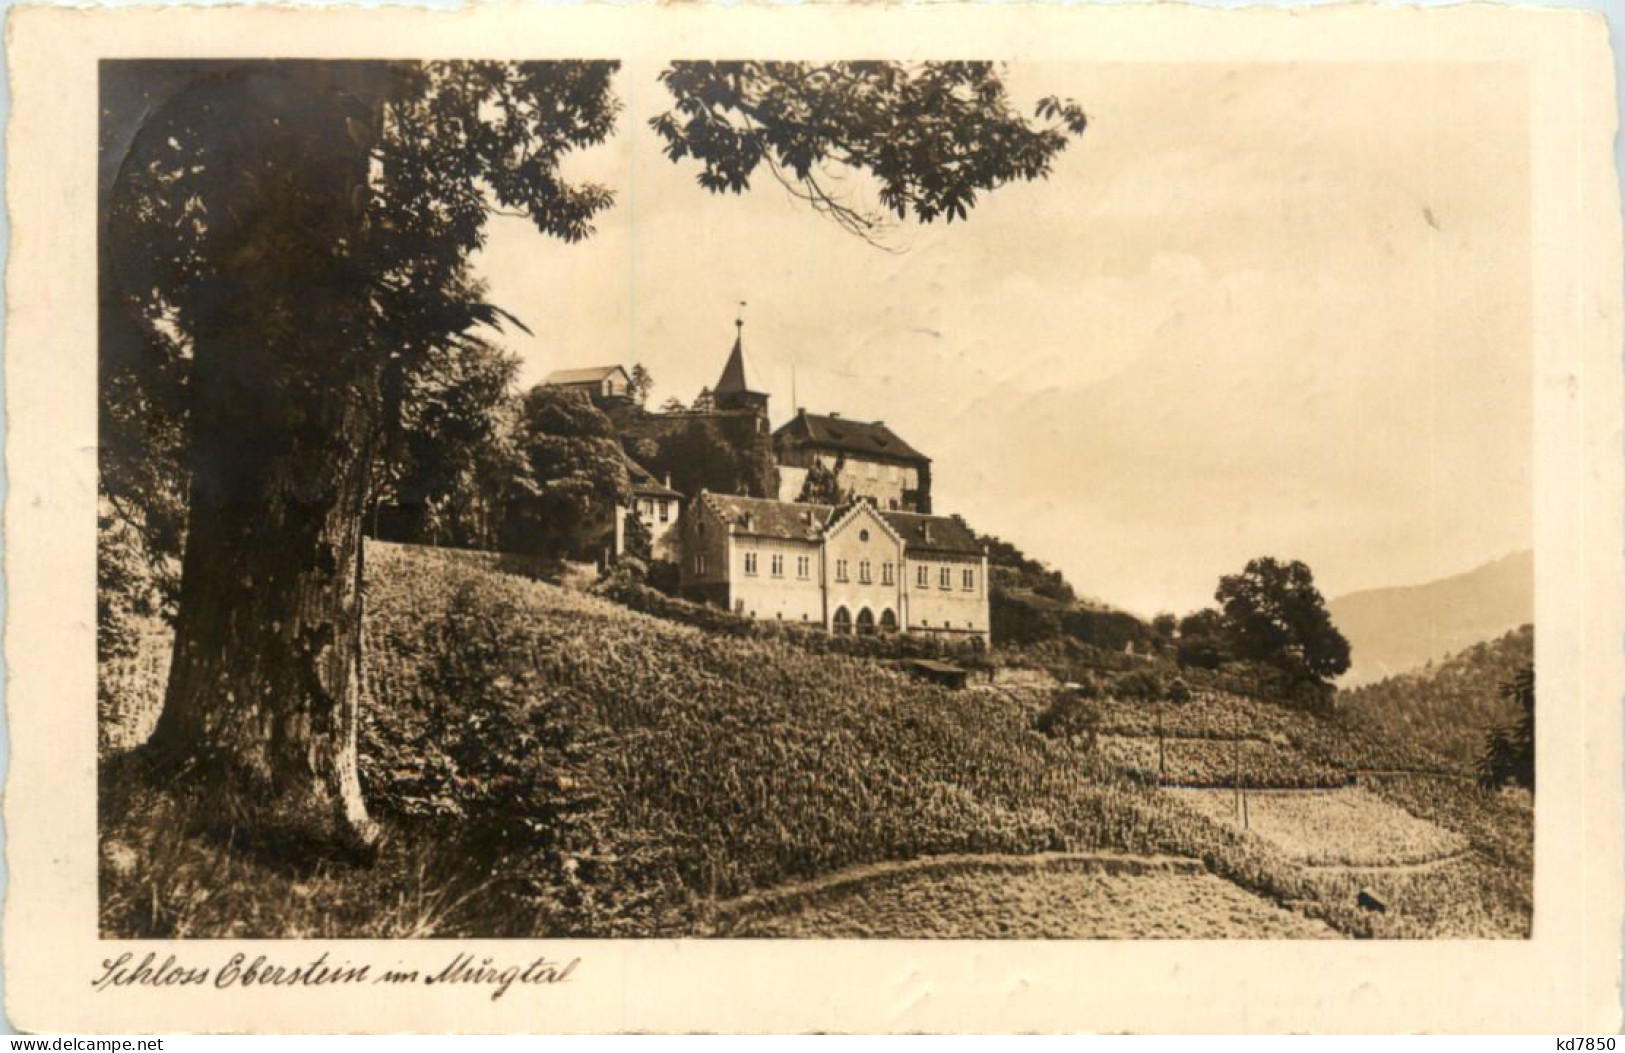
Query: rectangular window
[
  {"x": 885, "y": 574},
  {"x": 968, "y": 580},
  {"x": 923, "y": 577},
  {"x": 750, "y": 563},
  {"x": 665, "y": 511},
  {"x": 699, "y": 563},
  {"x": 840, "y": 570},
  {"x": 945, "y": 578},
  {"x": 863, "y": 572},
  {"x": 803, "y": 566},
  {"x": 778, "y": 565}
]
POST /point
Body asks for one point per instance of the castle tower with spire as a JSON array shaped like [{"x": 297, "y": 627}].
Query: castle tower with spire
[{"x": 737, "y": 389}]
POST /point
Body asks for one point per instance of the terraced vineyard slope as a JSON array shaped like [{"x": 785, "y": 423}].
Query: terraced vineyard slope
[{"x": 550, "y": 763}]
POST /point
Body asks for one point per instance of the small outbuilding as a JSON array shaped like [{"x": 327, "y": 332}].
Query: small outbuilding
[{"x": 945, "y": 673}]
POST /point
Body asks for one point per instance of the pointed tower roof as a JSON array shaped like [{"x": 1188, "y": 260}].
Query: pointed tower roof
[{"x": 737, "y": 376}]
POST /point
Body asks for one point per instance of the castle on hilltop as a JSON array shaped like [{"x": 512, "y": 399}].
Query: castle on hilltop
[{"x": 824, "y": 520}]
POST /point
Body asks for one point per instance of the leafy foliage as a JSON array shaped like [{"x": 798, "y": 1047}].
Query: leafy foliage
[
  {"x": 1274, "y": 613},
  {"x": 932, "y": 135},
  {"x": 639, "y": 543},
  {"x": 725, "y": 454},
  {"x": 642, "y": 382},
  {"x": 574, "y": 474},
  {"x": 1072, "y": 716},
  {"x": 822, "y": 485},
  {"x": 133, "y": 616},
  {"x": 1139, "y": 685},
  {"x": 1014, "y": 569},
  {"x": 1509, "y": 752},
  {"x": 455, "y": 450},
  {"x": 1204, "y": 640}
]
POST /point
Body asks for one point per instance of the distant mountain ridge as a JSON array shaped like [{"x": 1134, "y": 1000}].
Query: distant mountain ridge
[{"x": 1392, "y": 630}]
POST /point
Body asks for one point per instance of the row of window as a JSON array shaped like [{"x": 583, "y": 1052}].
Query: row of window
[
  {"x": 776, "y": 565},
  {"x": 865, "y": 572},
  {"x": 967, "y": 576},
  {"x": 945, "y": 578},
  {"x": 865, "y": 624}
]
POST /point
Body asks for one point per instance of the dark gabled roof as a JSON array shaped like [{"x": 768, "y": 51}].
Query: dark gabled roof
[
  {"x": 862, "y": 438},
  {"x": 792, "y": 521},
  {"x": 933, "y": 535},
  {"x": 762, "y": 517},
  {"x": 644, "y": 483},
  {"x": 586, "y": 375},
  {"x": 932, "y": 665},
  {"x": 737, "y": 375}
]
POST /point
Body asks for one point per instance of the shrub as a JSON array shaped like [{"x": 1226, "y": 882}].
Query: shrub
[
  {"x": 1070, "y": 716},
  {"x": 1178, "y": 692},
  {"x": 1139, "y": 685},
  {"x": 1509, "y": 752},
  {"x": 473, "y": 741},
  {"x": 665, "y": 576}
]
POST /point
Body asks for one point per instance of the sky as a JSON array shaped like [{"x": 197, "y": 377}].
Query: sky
[{"x": 1265, "y": 309}]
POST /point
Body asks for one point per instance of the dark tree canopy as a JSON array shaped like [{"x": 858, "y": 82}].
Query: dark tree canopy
[
  {"x": 574, "y": 477},
  {"x": 1274, "y": 613},
  {"x": 454, "y": 450},
  {"x": 1204, "y": 640},
  {"x": 639, "y": 542},
  {"x": 932, "y": 135},
  {"x": 822, "y": 485},
  {"x": 1509, "y": 752},
  {"x": 641, "y": 384}
]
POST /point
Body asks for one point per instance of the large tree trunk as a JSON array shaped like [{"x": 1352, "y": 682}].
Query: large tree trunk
[{"x": 265, "y": 681}]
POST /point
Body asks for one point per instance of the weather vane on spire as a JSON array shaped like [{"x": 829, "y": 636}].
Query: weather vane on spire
[{"x": 739, "y": 316}]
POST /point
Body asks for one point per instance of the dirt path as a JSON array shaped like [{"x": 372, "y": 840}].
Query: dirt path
[{"x": 1391, "y": 868}]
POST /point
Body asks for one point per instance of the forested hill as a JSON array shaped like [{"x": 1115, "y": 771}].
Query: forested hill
[
  {"x": 1032, "y": 603},
  {"x": 1394, "y": 630},
  {"x": 1449, "y": 706}
]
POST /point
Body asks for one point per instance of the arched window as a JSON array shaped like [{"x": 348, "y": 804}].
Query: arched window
[
  {"x": 843, "y": 620},
  {"x": 888, "y": 620},
  {"x": 866, "y": 622}
]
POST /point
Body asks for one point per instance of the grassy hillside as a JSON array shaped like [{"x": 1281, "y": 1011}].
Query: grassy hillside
[
  {"x": 1395, "y": 630},
  {"x": 546, "y": 762},
  {"x": 1447, "y": 707}
]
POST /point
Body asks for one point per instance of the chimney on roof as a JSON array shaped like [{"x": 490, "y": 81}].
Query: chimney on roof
[
  {"x": 835, "y": 416},
  {"x": 925, "y": 532}
]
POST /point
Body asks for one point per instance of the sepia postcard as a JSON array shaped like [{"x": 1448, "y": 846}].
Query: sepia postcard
[{"x": 819, "y": 518}]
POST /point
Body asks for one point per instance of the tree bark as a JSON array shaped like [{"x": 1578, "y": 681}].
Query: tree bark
[{"x": 265, "y": 682}]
